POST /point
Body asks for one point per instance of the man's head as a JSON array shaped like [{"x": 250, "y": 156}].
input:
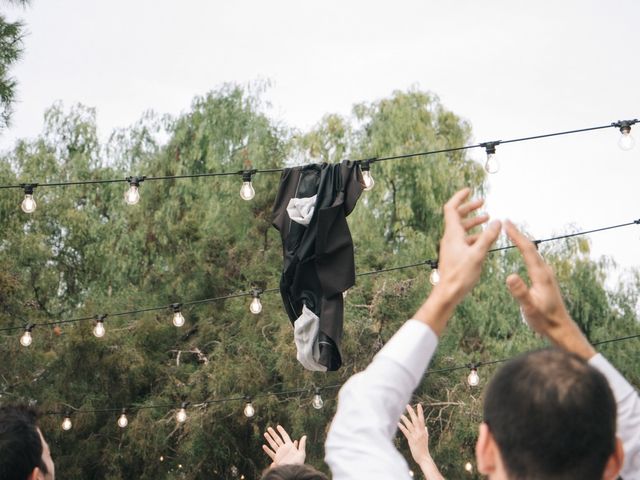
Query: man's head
[
  {"x": 24, "y": 453},
  {"x": 293, "y": 472},
  {"x": 548, "y": 414}
]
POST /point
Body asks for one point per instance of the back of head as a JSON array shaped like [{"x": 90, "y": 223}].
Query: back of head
[
  {"x": 20, "y": 443},
  {"x": 552, "y": 416},
  {"x": 293, "y": 472}
]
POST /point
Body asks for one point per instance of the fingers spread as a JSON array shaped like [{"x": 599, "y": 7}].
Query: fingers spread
[
  {"x": 451, "y": 215},
  {"x": 532, "y": 258},
  {"x": 284, "y": 434},
  {"x": 412, "y": 414},
  {"x": 404, "y": 430},
  {"x": 268, "y": 451},
  {"x": 488, "y": 237},
  {"x": 466, "y": 208},
  {"x": 275, "y": 437},
  {"x": 420, "y": 414},
  {"x": 406, "y": 421},
  {"x": 470, "y": 223}
]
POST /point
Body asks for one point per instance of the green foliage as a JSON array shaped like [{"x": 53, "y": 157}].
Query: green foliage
[
  {"x": 85, "y": 252},
  {"x": 11, "y": 34}
]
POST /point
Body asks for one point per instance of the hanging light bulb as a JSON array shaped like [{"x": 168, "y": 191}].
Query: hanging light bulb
[
  {"x": 468, "y": 467},
  {"x": 28, "y": 204},
  {"x": 66, "y": 423},
  {"x": 411, "y": 474},
  {"x": 317, "y": 401},
  {"x": 492, "y": 165},
  {"x": 26, "y": 339},
  {"x": 98, "y": 329},
  {"x": 434, "y": 276},
  {"x": 178, "y": 318},
  {"x": 249, "y": 411},
  {"x": 473, "y": 379},
  {"x": 132, "y": 195},
  {"x": 246, "y": 191},
  {"x": 626, "y": 141},
  {"x": 369, "y": 182},
  {"x": 256, "y": 305},
  {"x": 122, "y": 420},
  {"x": 181, "y": 415}
]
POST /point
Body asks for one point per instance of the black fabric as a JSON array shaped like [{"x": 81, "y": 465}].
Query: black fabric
[{"x": 318, "y": 258}]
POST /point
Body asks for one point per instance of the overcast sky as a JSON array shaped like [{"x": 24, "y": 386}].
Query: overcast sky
[{"x": 510, "y": 68}]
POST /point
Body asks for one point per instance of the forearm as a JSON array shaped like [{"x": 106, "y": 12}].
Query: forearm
[{"x": 430, "y": 470}]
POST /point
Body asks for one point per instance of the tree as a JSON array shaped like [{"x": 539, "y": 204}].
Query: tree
[
  {"x": 11, "y": 35},
  {"x": 84, "y": 252}
]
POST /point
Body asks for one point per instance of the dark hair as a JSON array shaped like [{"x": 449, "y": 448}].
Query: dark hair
[
  {"x": 20, "y": 443},
  {"x": 552, "y": 415},
  {"x": 293, "y": 472}
]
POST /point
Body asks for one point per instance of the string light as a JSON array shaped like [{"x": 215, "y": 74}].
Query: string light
[
  {"x": 28, "y": 204},
  {"x": 626, "y": 141},
  {"x": 26, "y": 339},
  {"x": 246, "y": 191},
  {"x": 473, "y": 379},
  {"x": 492, "y": 165},
  {"x": 123, "y": 421},
  {"x": 178, "y": 318},
  {"x": 181, "y": 415},
  {"x": 317, "y": 401},
  {"x": 468, "y": 467},
  {"x": 132, "y": 195},
  {"x": 434, "y": 276},
  {"x": 249, "y": 411},
  {"x": 365, "y": 168},
  {"x": 256, "y": 305},
  {"x": 98, "y": 329},
  {"x": 66, "y": 423},
  {"x": 411, "y": 474}
]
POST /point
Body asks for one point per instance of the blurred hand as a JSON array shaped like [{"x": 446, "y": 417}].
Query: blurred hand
[
  {"x": 283, "y": 451},
  {"x": 542, "y": 303},
  {"x": 415, "y": 430}
]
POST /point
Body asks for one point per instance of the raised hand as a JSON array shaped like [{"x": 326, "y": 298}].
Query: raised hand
[
  {"x": 542, "y": 303},
  {"x": 417, "y": 434},
  {"x": 283, "y": 451}
]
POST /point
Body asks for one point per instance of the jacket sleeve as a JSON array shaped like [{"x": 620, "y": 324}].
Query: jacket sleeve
[{"x": 360, "y": 441}]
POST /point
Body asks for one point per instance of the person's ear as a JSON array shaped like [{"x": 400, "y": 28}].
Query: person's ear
[
  {"x": 36, "y": 474},
  {"x": 486, "y": 451},
  {"x": 615, "y": 462}
]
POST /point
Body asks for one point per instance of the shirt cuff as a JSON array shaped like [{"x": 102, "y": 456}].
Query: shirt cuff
[
  {"x": 620, "y": 387},
  {"x": 412, "y": 347}
]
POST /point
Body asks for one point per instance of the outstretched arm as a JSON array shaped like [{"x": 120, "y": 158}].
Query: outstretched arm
[
  {"x": 417, "y": 435},
  {"x": 544, "y": 310},
  {"x": 360, "y": 441}
]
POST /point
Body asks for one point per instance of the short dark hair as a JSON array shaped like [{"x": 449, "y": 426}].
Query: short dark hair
[
  {"x": 552, "y": 415},
  {"x": 293, "y": 472},
  {"x": 20, "y": 442}
]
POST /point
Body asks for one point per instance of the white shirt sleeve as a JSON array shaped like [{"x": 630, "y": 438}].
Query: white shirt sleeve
[
  {"x": 628, "y": 423},
  {"x": 360, "y": 441}
]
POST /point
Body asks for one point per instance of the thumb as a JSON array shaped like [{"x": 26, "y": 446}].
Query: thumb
[
  {"x": 303, "y": 443},
  {"x": 519, "y": 290}
]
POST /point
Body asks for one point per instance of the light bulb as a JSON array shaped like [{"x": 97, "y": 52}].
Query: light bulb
[
  {"x": 99, "y": 330},
  {"x": 468, "y": 467},
  {"x": 317, "y": 402},
  {"x": 123, "y": 421},
  {"x": 178, "y": 319},
  {"x": 132, "y": 195},
  {"x": 473, "y": 379},
  {"x": 492, "y": 165},
  {"x": 249, "y": 411},
  {"x": 434, "y": 277},
  {"x": 256, "y": 305},
  {"x": 28, "y": 204},
  {"x": 246, "y": 191},
  {"x": 181, "y": 415},
  {"x": 411, "y": 474},
  {"x": 26, "y": 338},
  {"x": 162, "y": 458},
  {"x": 626, "y": 141},
  {"x": 66, "y": 423},
  {"x": 368, "y": 180}
]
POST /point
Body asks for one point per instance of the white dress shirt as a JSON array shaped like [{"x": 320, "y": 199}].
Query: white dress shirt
[{"x": 360, "y": 441}]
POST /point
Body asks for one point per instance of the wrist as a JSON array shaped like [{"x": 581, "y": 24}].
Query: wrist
[
  {"x": 438, "y": 308},
  {"x": 571, "y": 339}
]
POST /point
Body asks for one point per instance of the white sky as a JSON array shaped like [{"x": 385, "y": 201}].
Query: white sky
[{"x": 511, "y": 68}]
